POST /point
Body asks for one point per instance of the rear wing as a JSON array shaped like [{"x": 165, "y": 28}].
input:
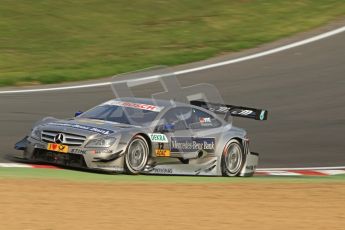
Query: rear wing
[{"x": 233, "y": 110}]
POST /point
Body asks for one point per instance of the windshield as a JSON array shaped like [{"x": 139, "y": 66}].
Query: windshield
[{"x": 119, "y": 114}]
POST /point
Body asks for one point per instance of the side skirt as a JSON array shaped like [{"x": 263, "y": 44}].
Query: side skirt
[
  {"x": 250, "y": 165},
  {"x": 208, "y": 168}
]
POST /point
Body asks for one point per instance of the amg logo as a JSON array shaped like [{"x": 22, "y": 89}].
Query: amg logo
[{"x": 163, "y": 170}]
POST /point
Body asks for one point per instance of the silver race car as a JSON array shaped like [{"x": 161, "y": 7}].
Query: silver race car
[{"x": 147, "y": 136}]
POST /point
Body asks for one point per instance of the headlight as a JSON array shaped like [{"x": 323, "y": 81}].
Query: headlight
[
  {"x": 36, "y": 133},
  {"x": 100, "y": 143}
]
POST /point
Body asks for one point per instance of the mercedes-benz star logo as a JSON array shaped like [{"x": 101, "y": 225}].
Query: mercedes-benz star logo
[{"x": 58, "y": 139}]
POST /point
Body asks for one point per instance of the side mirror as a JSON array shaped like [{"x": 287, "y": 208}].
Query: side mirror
[
  {"x": 78, "y": 113},
  {"x": 165, "y": 128}
]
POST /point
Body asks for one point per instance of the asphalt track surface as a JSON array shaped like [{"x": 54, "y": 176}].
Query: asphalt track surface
[{"x": 303, "y": 88}]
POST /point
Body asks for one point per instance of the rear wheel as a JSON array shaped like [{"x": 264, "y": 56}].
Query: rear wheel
[
  {"x": 137, "y": 155},
  {"x": 233, "y": 158}
]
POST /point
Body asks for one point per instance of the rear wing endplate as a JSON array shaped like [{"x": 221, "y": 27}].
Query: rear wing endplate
[{"x": 233, "y": 110}]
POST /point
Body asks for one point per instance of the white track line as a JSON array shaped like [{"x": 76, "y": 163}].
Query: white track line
[
  {"x": 305, "y": 168},
  {"x": 253, "y": 56},
  {"x": 14, "y": 165}
]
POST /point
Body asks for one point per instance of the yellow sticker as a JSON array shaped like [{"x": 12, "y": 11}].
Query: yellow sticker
[
  {"x": 58, "y": 147},
  {"x": 162, "y": 152}
]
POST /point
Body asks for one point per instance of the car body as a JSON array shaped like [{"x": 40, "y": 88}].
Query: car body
[{"x": 146, "y": 136}]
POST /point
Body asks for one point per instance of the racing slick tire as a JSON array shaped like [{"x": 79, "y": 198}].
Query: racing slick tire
[
  {"x": 233, "y": 158},
  {"x": 137, "y": 155}
]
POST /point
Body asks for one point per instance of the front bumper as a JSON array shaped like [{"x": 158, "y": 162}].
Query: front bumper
[
  {"x": 64, "y": 159},
  {"x": 79, "y": 157}
]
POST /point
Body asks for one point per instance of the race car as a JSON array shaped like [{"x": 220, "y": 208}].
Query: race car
[{"x": 147, "y": 136}]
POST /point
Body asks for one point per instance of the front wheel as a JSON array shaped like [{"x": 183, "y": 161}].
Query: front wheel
[
  {"x": 137, "y": 155},
  {"x": 233, "y": 158}
]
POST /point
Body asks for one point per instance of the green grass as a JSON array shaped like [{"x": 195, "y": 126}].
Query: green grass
[
  {"x": 49, "y": 41},
  {"x": 73, "y": 175}
]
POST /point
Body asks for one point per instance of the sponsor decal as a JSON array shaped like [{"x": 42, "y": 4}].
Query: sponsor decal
[
  {"x": 78, "y": 151},
  {"x": 92, "y": 121},
  {"x": 83, "y": 127},
  {"x": 135, "y": 105},
  {"x": 158, "y": 137},
  {"x": 245, "y": 112},
  {"x": 192, "y": 144},
  {"x": 107, "y": 167},
  {"x": 162, "y": 171},
  {"x": 57, "y": 147},
  {"x": 101, "y": 151},
  {"x": 205, "y": 120},
  {"x": 163, "y": 153},
  {"x": 222, "y": 109},
  {"x": 251, "y": 167},
  {"x": 39, "y": 146}
]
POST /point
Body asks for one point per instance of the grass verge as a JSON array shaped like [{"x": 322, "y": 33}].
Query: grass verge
[
  {"x": 56, "y": 41},
  {"x": 73, "y": 175}
]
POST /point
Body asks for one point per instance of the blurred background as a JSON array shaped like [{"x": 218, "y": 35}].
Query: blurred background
[{"x": 50, "y": 41}]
